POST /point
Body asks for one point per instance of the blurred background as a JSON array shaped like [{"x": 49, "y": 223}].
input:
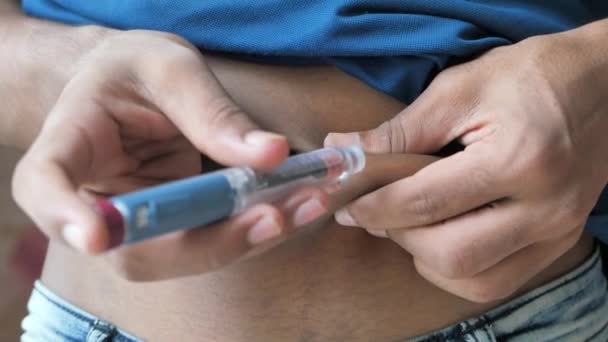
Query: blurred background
[{"x": 21, "y": 254}]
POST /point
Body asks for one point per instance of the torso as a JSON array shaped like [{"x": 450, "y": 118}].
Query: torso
[{"x": 328, "y": 283}]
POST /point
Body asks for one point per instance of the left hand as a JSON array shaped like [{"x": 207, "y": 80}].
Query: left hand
[{"x": 534, "y": 120}]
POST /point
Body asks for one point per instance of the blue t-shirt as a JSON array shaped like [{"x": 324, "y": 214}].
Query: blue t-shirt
[{"x": 395, "y": 46}]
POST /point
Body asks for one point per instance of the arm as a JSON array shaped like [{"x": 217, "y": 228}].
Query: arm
[
  {"x": 533, "y": 117},
  {"x": 134, "y": 107},
  {"x": 120, "y": 108},
  {"x": 36, "y": 61}
]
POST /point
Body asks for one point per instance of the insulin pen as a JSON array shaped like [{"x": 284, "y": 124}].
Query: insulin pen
[{"x": 212, "y": 197}]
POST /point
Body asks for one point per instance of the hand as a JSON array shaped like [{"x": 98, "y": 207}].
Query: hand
[
  {"x": 139, "y": 111},
  {"x": 484, "y": 221}
]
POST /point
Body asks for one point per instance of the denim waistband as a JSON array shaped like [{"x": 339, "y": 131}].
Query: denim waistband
[
  {"x": 573, "y": 307},
  {"x": 51, "y": 318}
]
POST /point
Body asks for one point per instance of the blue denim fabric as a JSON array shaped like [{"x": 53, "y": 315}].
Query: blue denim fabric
[
  {"x": 53, "y": 319},
  {"x": 573, "y": 307}
]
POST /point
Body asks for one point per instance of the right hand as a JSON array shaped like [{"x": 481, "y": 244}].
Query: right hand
[{"x": 139, "y": 110}]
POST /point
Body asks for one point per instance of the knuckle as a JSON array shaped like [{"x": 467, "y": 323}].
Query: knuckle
[
  {"x": 183, "y": 60},
  {"x": 572, "y": 212},
  {"x": 481, "y": 177},
  {"x": 542, "y": 165},
  {"x": 177, "y": 66},
  {"x": 455, "y": 261},
  {"x": 386, "y": 138},
  {"x": 518, "y": 236},
  {"x": 396, "y": 136},
  {"x": 174, "y": 38},
  {"x": 163, "y": 71},
  {"x": 546, "y": 164},
  {"x": 425, "y": 208},
  {"x": 561, "y": 213},
  {"x": 222, "y": 114},
  {"x": 377, "y": 140},
  {"x": 363, "y": 214}
]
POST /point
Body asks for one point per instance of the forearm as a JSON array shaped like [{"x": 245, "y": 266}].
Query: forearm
[
  {"x": 595, "y": 37},
  {"x": 591, "y": 107},
  {"x": 576, "y": 62},
  {"x": 36, "y": 61}
]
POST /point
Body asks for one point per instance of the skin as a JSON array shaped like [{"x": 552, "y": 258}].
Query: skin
[
  {"x": 114, "y": 134},
  {"x": 322, "y": 282},
  {"x": 533, "y": 120}
]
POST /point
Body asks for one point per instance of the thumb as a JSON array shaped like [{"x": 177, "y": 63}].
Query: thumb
[
  {"x": 204, "y": 112},
  {"x": 386, "y": 138},
  {"x": 424, "y": 127}
]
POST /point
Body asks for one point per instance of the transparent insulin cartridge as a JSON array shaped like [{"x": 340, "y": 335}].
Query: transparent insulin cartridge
[{"x": 205, "y": 199}]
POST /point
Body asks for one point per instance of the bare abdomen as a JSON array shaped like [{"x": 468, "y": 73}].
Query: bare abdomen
[{"x": 326, "y": 283}]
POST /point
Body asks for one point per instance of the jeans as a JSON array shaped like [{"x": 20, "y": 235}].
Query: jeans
[
  {"x": 53, "y": 319},
  {"x": 573, "y": 307}
]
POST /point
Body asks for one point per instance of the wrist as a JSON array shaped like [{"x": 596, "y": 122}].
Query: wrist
[
  {"x": 574, "y": 66},
  {"x": 593, "y": 47},
  {"x": 580, "y": 82}
]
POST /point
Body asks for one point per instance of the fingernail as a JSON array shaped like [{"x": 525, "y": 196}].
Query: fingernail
[
  {"x": 264, "y": 230},
  {"x": 308, "y": 212},
  {"x": 257, "y": 138},
  {"x": 344, "y": 218},
  {"x": 75, "y": 236},
  {"x": 342, "y": 139}
]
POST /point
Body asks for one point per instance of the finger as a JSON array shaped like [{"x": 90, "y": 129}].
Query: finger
[
  {"x": 444, "y": 189},
  {"x": 508, "y": 276},
  {"x": 300, "y": 210},
  {"x": 171, "y": 167},
  {"x": 305, "y": 207},
  {"x": 139, "y": 119},
  {"x": 472, "y": 243},
  {"x": 235, "y": 237},
  {"x": 153, "y": 172},
  {"x": 196, "y": 103},
  {"x": 215, "y": 246},
  {"x": 60, "y": 213},
  {"x": 146, "y": 150},
  {"x": 120, "y": 185},
  {"x": 380, "y": 170},
  {"x": 437, "y": 117},
  {"x": 258, "y": 226},
  {"x": 200, "y": 250},
  {"x": 46, "y": 181}
]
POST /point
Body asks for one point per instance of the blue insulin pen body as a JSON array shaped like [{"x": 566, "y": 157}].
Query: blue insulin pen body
[{"x": 209, "y": 198}]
